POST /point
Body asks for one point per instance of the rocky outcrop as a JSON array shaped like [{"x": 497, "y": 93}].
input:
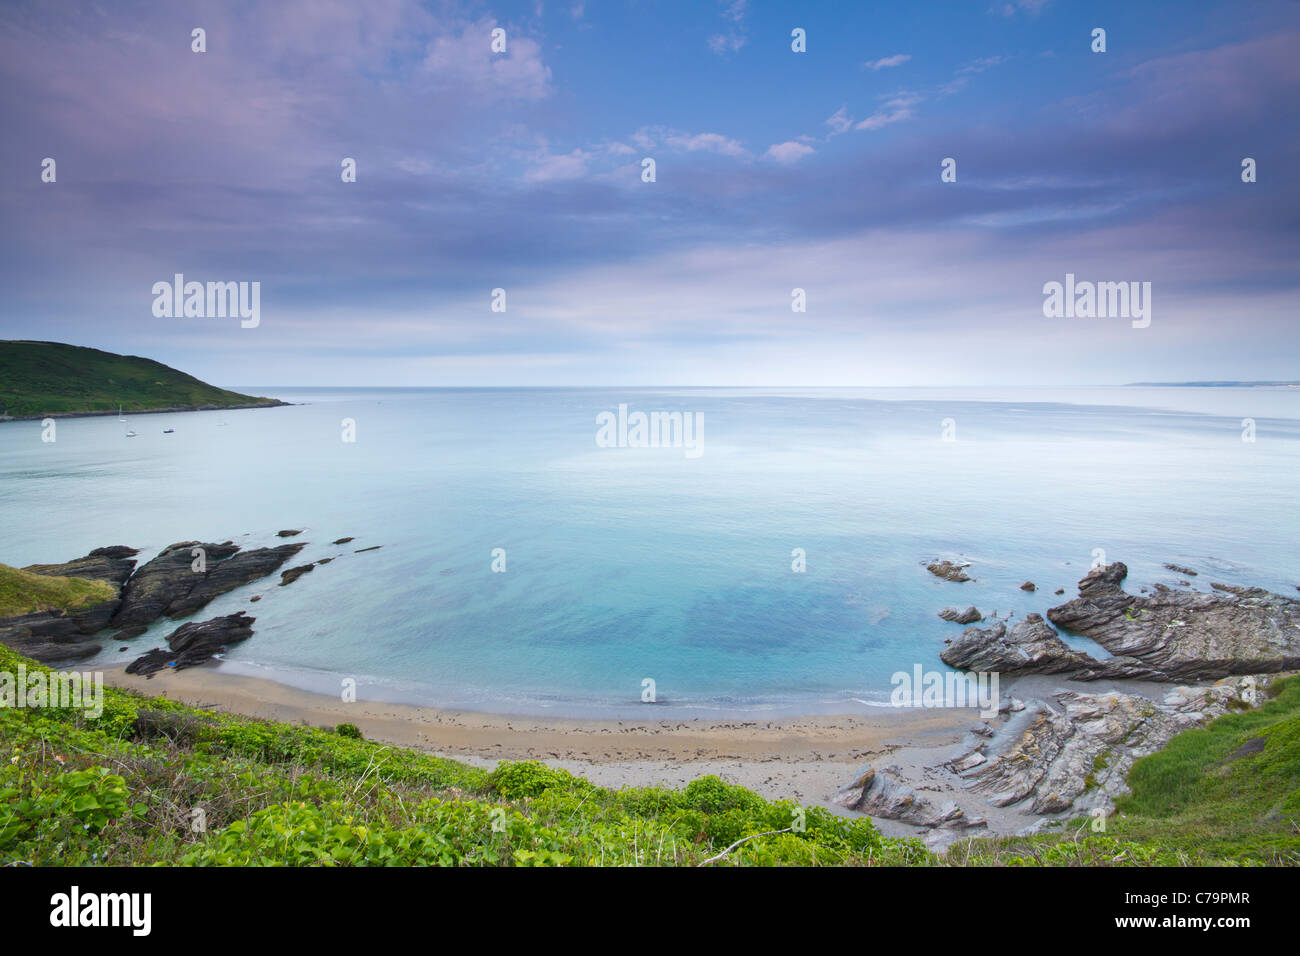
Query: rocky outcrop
[
  {"x": 1185, "y": 635},
  {"x": 881, "y": 793},
  {"x": 1075, "y": 752},
  {"x": 949, "y": 571},
  {"x": 170, "y": 586},
  {"x": 195, "y": 643},
  {"x": 289, "y": 533},
  {"x": 1032, "y": 647},
  {"x": 113, "y": 564},
  {"x": 62, "y": 636},
  {"x": 1028, "y": 586},
  {"x": 293, "y": 574},
  {"x": 1168, "y": 635},
  {"x": 969, "y": 616},
  {"x": 1039, "y": 759}
]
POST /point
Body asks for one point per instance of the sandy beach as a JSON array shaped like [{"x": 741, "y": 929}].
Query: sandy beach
[{"x": 803, "y": 758}]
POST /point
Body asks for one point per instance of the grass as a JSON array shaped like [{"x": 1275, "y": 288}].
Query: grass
[
  {"x": 38, "y": 378},
  {"x": 155, "y": 782},
  {"x": 22, "y": 592}
]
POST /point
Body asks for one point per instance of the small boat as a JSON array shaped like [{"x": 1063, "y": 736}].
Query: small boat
[
  {"x": 168, "y": 431},
  {"x": 119, "y": 414},
  {"x": 130, "y": 434}
]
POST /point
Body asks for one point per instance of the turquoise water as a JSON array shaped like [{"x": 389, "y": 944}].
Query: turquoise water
[{"x": 629, "y": 563}]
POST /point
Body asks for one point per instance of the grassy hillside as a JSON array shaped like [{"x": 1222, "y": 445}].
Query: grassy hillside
[
  {"x": 22, "y": 592},
  {"x": 39, "y": 378},
  {"x": 152, "y": 781}
]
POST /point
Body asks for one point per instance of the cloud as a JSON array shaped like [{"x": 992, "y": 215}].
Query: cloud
[
  {"x": 980, "y": 65},
  {"x": 467, "y": 61},
  {"x": 896, "y": 60},
  {"x": 788, "y": 152},
  {"x": 648, "y": 137},
  {"x": 731, "y": 41},
  {"x": 414, "y": 166},
  {"x": 723, "y": 44},
  {"x": 553, "y": 168},
  {"x": 735, "y": 10},
  {"x": 1031, "y": 7},
  {"x": 840, "y": 121},
  {"x": 896, "y": 109},
  {"x": 710, "y": 142}
]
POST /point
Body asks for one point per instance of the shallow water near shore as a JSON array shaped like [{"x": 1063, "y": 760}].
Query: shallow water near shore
[{"x": 627, "y": 563}]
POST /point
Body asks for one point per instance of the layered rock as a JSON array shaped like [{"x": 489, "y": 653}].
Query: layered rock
[
  {"x": 1044, "y": 758},
  {"x": 969, "y": 616},
  {"x": 195, "y": 643},
  {"x": 61, "y": 636},
  {"x": 1074, "y": 753},
  {"x": 949, "y": 571},
  {"x": 881, "y": 793},
  {"x": 169, "y": 586},
  {"x": 1185, "y": 635},
  {"x": 1031, "y": 646}
]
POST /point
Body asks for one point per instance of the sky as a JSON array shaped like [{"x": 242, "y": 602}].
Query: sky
[{"x": 775, "y": 170}]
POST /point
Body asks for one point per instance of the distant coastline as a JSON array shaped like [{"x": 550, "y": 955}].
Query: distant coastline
[
  {"x": 269, "y": 403},
  {"x": 41, "y": 380},
  {"x": 1212, "y": 385}
]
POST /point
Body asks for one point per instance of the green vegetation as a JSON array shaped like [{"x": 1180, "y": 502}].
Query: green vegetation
[
  {"x": 154, "y": 782},
  {"x": 22, "y": 592},
  {"x": 39, "y": 378}
]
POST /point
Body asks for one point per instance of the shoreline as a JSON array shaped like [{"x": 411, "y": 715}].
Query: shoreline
[
  {"x": 808, "y": 759},
  {"x": 273, "y": 403}
]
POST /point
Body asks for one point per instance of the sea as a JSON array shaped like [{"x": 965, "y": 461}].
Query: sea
[{"x": 526, "y": 566}]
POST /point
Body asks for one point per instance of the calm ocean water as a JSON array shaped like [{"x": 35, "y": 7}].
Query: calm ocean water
[{"x": 627, "y": 563}]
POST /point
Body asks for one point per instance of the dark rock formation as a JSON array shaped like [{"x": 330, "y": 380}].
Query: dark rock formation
[
  {"x": 194, "y": 643},
  {"x": 1028, "y": 586},
  {"x": 1181, "y": 570},
  {"x": 59, "y": 636},
  {"x": 293, "y": 574},
  {"x": 1030, "y": 647},
  {"x": 1186, "y": 635},
  {"x": 1168, "y": 635},
  {"x": 372, "y": 548},
  {"x": 288, "y": 533},
  {"x": 169, "y": 586},
  {"x": 341, "y": 541},
  {"x": 948, "y": 571},
  {"x": 969, "y": 616},
  {"x": 112, "y": 564}
]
